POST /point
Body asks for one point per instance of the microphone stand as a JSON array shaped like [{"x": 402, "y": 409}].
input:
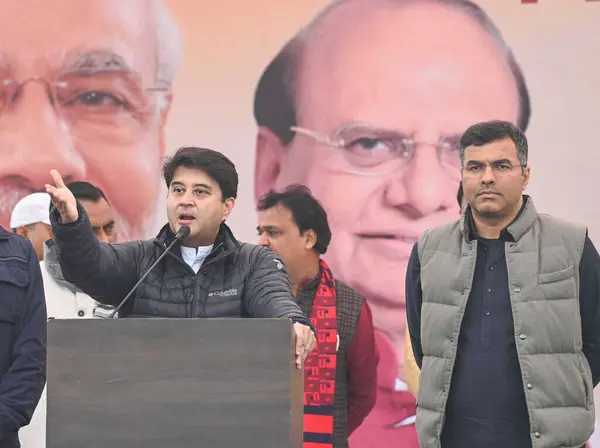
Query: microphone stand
[{"x": 184, "y": 231}]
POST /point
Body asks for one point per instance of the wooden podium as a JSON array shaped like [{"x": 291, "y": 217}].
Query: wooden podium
[{"x": 173, "y": 383}]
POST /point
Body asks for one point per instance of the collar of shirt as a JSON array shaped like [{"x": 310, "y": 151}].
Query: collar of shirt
[
  {"x": 194, "y": 257},
  {"x": 306, "y": 294},
  {"x": 311, "y": 284}
]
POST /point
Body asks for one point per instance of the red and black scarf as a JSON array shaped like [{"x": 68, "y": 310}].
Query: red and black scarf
[{"x": 320, "y": 366}]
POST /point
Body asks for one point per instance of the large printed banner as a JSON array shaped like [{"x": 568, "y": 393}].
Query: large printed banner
[{"x": 102, "y": 90}]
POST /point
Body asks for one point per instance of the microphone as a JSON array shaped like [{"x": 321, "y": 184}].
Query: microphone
[{"x": 184, "y": 232}]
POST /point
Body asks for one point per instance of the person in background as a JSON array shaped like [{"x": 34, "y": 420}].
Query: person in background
[
  {"x": 98, "y": 209},
  {"x": 340, "y": 386},
  {"x": 207, "y": 262},
  {"x": 503, "y": 311},
  {"x": 30, "y": 219},
  {"x": 22, "y": 336},
  {"x": 63, "y": 299},
  {"x": 328, "y": 117},
  {"x": 411, "y": 369}
]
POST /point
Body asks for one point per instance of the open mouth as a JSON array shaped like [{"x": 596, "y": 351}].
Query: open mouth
[{"x": 185, "y": 218}]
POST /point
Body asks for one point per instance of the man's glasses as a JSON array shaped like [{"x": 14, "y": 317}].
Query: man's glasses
[
  {"x": 369, "y": 151},
  {"x": 109, "y": 102}
]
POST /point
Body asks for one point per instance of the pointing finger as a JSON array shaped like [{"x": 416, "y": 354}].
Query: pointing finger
[{"x": 57, "y": 179}]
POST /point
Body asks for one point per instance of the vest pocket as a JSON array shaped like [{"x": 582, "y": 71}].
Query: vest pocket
[
  {"x": 588, "y": 389},
  {"x": 587, "y": 395},
  {"x": 556, "y": 285},
  {"x": 13, "y": 286},
  {"x": 556, "y": 276}
]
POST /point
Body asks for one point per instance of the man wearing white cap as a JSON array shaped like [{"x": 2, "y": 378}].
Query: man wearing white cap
[
  {"x": 64, "y": 300},
  {"x": 31, "y": 219}
]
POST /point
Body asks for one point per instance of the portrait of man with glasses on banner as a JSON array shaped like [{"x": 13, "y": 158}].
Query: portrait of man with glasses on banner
[
  {"x": 85, "y": 88},
  {"x": 370, "y": 121}
]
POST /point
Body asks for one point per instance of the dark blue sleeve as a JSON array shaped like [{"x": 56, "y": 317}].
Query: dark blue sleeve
[
  {"x": 413, "y": 295},
  {"x": 22, "y": 386},
  {"x": 589, "y": 298}
]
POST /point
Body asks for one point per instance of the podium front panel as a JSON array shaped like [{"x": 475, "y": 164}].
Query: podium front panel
[{"x": 169, "y": 383}]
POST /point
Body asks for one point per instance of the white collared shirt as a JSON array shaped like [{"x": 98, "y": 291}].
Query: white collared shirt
[{"x": 195, "y": 257}]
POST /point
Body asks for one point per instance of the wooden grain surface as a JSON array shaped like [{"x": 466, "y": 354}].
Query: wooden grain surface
[{"x": 218, "y": 383}]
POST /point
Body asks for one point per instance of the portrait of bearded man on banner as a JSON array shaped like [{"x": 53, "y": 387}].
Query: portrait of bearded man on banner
[{"x": 85, "y": 88}]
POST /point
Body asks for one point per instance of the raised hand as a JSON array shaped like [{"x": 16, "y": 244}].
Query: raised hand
[{"x": 62, "y": 198}]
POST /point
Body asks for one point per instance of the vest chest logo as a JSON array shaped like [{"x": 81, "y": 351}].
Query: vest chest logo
[
  {"x": 278, "y": 263},
  {"x": 225, "y": 293}
]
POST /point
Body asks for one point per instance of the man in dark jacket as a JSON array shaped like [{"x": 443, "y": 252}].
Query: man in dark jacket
[
  {"x": 22, "y": 336},
  {"x": 210, "y": 274},
  {"x": 340, "y": 379}
]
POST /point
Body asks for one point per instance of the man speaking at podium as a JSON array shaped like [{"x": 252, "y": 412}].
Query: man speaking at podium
[{"x": 194, "y": 267}]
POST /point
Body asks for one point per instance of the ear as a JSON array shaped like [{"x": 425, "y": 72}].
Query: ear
[
  {"x": 22, "y": 231},
  {"x": 227, "y": 208},
  {"x": 269, "y": 157},
  {"x": 526, "y": 177},
  {"x": 164, "y": 113},
  {"x": 310, "y": 239}
]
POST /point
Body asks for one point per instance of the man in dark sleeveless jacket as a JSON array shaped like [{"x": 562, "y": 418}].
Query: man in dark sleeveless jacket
[
  {"x": 340, "y": 381},
  {"x": 209, "y": 274}
]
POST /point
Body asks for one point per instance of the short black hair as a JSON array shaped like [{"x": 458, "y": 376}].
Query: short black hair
[
  {"x": 492, "y": 131},
  {"x": 307, "y": 212},
  {"x": 216, "y": 165},
  {"x": 84, "y": 191},
  {"x": 460, "y": 194}
]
